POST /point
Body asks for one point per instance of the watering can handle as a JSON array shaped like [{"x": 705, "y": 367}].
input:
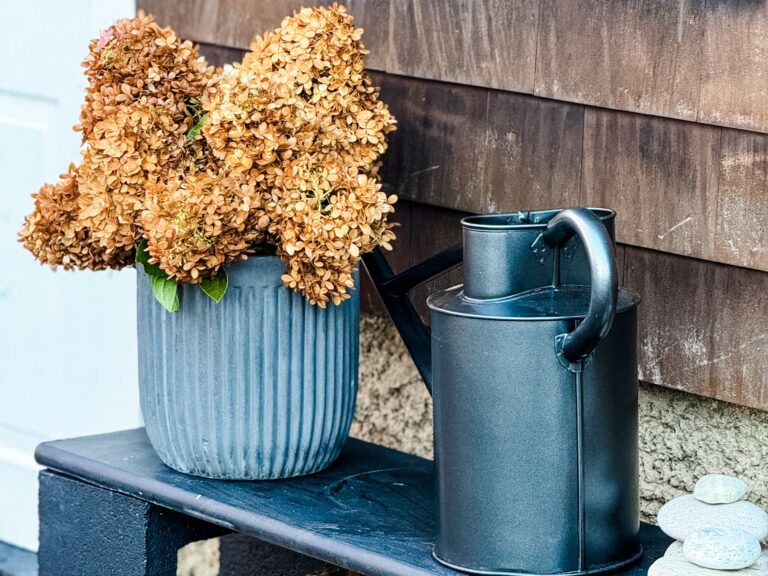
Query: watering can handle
[
  {"x": 572, "y": 348},
  {"x": 393, "y": 289}
]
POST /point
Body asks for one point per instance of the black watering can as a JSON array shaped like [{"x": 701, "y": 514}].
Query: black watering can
[{"x": 532, "y": 365}]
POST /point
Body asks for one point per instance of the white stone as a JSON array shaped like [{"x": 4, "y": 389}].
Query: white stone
[
  {"x": 683, "y": 515},
  {"x": 673, "y": 563},
  {"x": 719, "y": 489},
  {"x": 721, "y": 548}
]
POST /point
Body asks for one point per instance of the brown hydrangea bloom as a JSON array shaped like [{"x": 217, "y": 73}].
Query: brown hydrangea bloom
[
  {"x": 287, "y": 156},
  {"x": 55, "y": 235},
  {"x": 327, "y": 216},
  {"x": 300, "y": 116},
  {"x": 135, "y": 61},
  {"x": 198, "y": 222},
  {"x": 141, "y": 101},
  {"x": 302, "y": 87}
]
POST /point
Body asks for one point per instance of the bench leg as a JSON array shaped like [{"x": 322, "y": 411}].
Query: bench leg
[{"x": 89, "y": 531}]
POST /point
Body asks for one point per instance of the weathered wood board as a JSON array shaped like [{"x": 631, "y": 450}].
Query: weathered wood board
[
  {"x": 680, "y": 187},
  {"x": 734, "y": 71},
  {"x": 230, "y": 23},
  {"x": 661, "y": 177},
  {"x": 486, "y": 43},
  {"x": 489, "y": 43},
  {"x": 217, "y": 55},
  {"x": 703, "y": 326},
  {"x": 481, "y": 150},
  {"x": 691, "y": 59},
  {"x": 742, "y": 200},
  {"x": 642, "y": 56}
]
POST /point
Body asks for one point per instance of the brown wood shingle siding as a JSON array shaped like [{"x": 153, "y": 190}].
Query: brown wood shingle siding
[
  {"x": 688, "y": 194},
  {"x": 680, "y": 187},
  {"x": 703, "y": 326},
  {"x": 662, "y": 178},
  {"x": 481, "y": 150},
  {"x": 694, "y": 60}
]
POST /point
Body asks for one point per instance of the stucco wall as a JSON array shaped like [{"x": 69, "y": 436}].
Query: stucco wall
[{"x": 682, "y": 436}]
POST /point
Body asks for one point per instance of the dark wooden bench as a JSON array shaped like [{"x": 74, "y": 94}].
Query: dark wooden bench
[{"x": 108, "y": 506}]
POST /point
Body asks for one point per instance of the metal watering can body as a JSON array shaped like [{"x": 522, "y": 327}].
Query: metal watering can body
[{"x": 533, "y": 369}]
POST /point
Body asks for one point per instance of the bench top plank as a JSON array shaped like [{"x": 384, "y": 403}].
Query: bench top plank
[{"x": 372, "y": 511}]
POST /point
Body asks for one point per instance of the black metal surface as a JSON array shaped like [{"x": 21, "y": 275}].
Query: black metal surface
[
  {"x": 372, "y": 511},
  {"x": 506, "y": 254},
  {"x": 529, "y": 453},
  {"x": 548, "y": 303},
  {"x": 417, "y": 275},
  {"x": 393, "y": 289}
]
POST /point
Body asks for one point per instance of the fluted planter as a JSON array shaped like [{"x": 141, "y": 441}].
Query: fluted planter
[{"x": 261, "y": 385}]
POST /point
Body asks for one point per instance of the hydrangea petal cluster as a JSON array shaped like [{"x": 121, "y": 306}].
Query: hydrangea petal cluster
[
  {"x": 287, "y": 156},
  {"x": 200, "y": 222},
  {"x": 54, "y": 234},
  {"x": 144, "y": 89},
  {"x": 143, "y": 86},
  {"x": 302, "y": 119}
]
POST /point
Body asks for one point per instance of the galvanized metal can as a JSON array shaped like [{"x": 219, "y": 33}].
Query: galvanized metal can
[{"x": 536, "y": 447}]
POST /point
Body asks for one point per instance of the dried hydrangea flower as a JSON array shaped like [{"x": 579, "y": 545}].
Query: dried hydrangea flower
[
  {"x": 144, "y": 84},
  {"x": 300, "y": 116},
  {"x": 288, "y": 154},
  {"x": 197, "y": 223},
  {"x": 55, "y": 235},
  {"x": 328, "y": 217},
  {"x": 135, "y": 61}
]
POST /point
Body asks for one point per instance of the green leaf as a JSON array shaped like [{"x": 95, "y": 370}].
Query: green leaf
[
  {"x": 142, "y": 257},
  {"x": 216, "y": 286},
  {"x": 166, "y": 292},
  {"x": 195, "y": 130}
]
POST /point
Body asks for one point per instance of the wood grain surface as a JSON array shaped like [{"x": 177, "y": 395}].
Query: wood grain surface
[
  {"x": 660, "y": 176},
  {"x": 734, "y": 70},
  {"x": 481, "y": 150},
  {"x": 642, "y": 56},
  {"x": 372, "y": 511},
  {"x": 680, "y": 187},
  {"x": 703, "y": 326},
  {"x": 697, "y": 60}
]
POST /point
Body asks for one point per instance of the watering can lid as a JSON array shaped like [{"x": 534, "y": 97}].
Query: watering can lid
[{"x": 548, "y": 303}]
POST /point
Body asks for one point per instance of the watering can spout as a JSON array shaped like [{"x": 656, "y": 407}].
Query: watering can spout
[{"x": 394, "y": 288}]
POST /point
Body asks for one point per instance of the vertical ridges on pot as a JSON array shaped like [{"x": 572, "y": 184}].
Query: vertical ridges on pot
[
  {"x": 238, "y": 406},
  {"x": 261, "y": 385}
]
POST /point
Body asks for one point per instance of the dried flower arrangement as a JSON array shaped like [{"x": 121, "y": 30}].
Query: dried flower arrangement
[{"x": 186, "y": 169}]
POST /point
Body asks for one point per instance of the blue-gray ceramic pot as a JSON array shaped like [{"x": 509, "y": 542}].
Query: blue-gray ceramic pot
[{"x": 261, "y": 385}]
